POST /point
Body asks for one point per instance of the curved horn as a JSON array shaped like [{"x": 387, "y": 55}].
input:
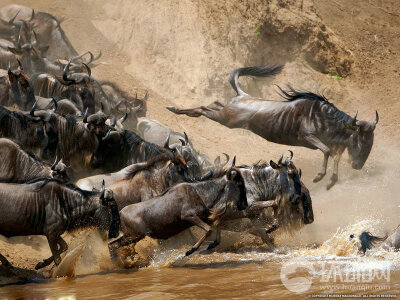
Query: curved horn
[
  {"x": 103, "y": 189},
  {"x": 186, "y": 138},
  {"x": 85, "y": 115},
  {"x": 232, "y": 164},
  {"x": 90, "y": 58},
  {"x": 101, "y": 107},
  {"x": 9, "y": 68},
  {"x": 123, "y": 119},
  {"x": 65, "y": 77},
  {"x": 300, "y": 172},
  {"x": 13, "y": 18},
  {"x": 53, "y": 166},
  {"x": 97, "y": 57},
  {"x": 182, "y": 141},
  {"x": 280, "y": 159},
  {"x": 226, "y": 161},
  {"x": 32, "y": 112},
  {"x": 146, "y": 96},
  {"x": 291, "y": 154},
  {"x": 33, "y": 15},
  {"x": 89, "y": 71},
  {"x": 166, "y": 144},
  {"x": 376, "y": 117},
  {"x": 353, "y": 122}
]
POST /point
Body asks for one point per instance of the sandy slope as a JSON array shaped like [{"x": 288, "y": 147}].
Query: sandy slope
[{"x": 183, "y": 51}]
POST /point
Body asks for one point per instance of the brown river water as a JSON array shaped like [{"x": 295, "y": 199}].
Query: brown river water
[{"x": 335, "y": 268}]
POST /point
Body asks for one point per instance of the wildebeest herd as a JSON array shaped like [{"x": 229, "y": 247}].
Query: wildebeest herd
[{"x": 58, "y": 125}]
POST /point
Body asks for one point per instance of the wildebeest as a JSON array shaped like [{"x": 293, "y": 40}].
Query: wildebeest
[
  {"x": 122, "y": 147},
  {"x": 368, "y": 241},
  {"x": 122, "y": 100},
  {"x": 8, "y": 30},
  {"x": 77, "y": 87},
  {"x": 47, "y": 207},
  {"x": 277, "y": 186},
  {"x": 143, "y": 181},
  {"x": 18, "y": 166},
  {"x": 61, "y": 106},
  {"x": 30, "y": 133},
  {"x": 16, "y": 89},
  {"x": 181, "y": 207},
  {"x": 75, "y": 140},
  {"x": 46, "y": 27},
  {"x": 305, "y": 119}
]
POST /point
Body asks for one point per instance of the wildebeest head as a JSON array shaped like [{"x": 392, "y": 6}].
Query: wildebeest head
[
  {"x": 108, "y": 201},
  {"x": 289, "y": 179},
  {"x": 178, "y": 162},
  {"x": 80, "y": 88},
  {"x": 59, "y": 170},
  {"x": 361, "y": 140},
  {"x": 21, "y": 88},
  {"x": 236, "y": 178},
  {"x": 190, "y": 155}
]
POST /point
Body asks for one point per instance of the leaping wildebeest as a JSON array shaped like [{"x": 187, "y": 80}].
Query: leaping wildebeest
[
  {"x": 304, "y": 119},
  {"x": 47, "y": 207},
  {"x": 181, "y": 207}
]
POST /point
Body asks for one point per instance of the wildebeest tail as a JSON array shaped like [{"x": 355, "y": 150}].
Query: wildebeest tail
[
  {"x": 261, "y": 71},
  {"x": 368, "y": 241}
]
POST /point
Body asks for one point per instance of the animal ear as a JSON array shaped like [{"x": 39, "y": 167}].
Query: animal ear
[{"x": 274, "y": 165}]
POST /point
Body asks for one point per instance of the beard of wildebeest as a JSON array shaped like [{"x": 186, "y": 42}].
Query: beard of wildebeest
[{"x": 264, "y": 182}]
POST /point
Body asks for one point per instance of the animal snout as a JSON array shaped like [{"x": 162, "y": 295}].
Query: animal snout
[{"x": 356, "y": 165}]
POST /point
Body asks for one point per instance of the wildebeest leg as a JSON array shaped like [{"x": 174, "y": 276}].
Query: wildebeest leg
[
  {"x": 263, "y": 234},
  {"x": 334, "y": 177},
  {"x": 5, "y": 262},
  {"x": 211, "y": 111},
  {"x": 207, "y": 228},
  {"x": 217, "y": 238},
  {"x": 121, "y": 242},
  {"x": 315, "y": 142},
  {"x": 63, "y": 247}
]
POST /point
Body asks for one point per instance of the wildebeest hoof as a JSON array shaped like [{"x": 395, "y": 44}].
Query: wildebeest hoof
[
  {"x": 318, "y": 177},
  {"x": 172, "y": 108},
  {"x": 212, "y": 245},
  {"x": 190, "y": 251},
  {"x": 40, "y": 265},
  {"x": 332, "y": 182}
]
